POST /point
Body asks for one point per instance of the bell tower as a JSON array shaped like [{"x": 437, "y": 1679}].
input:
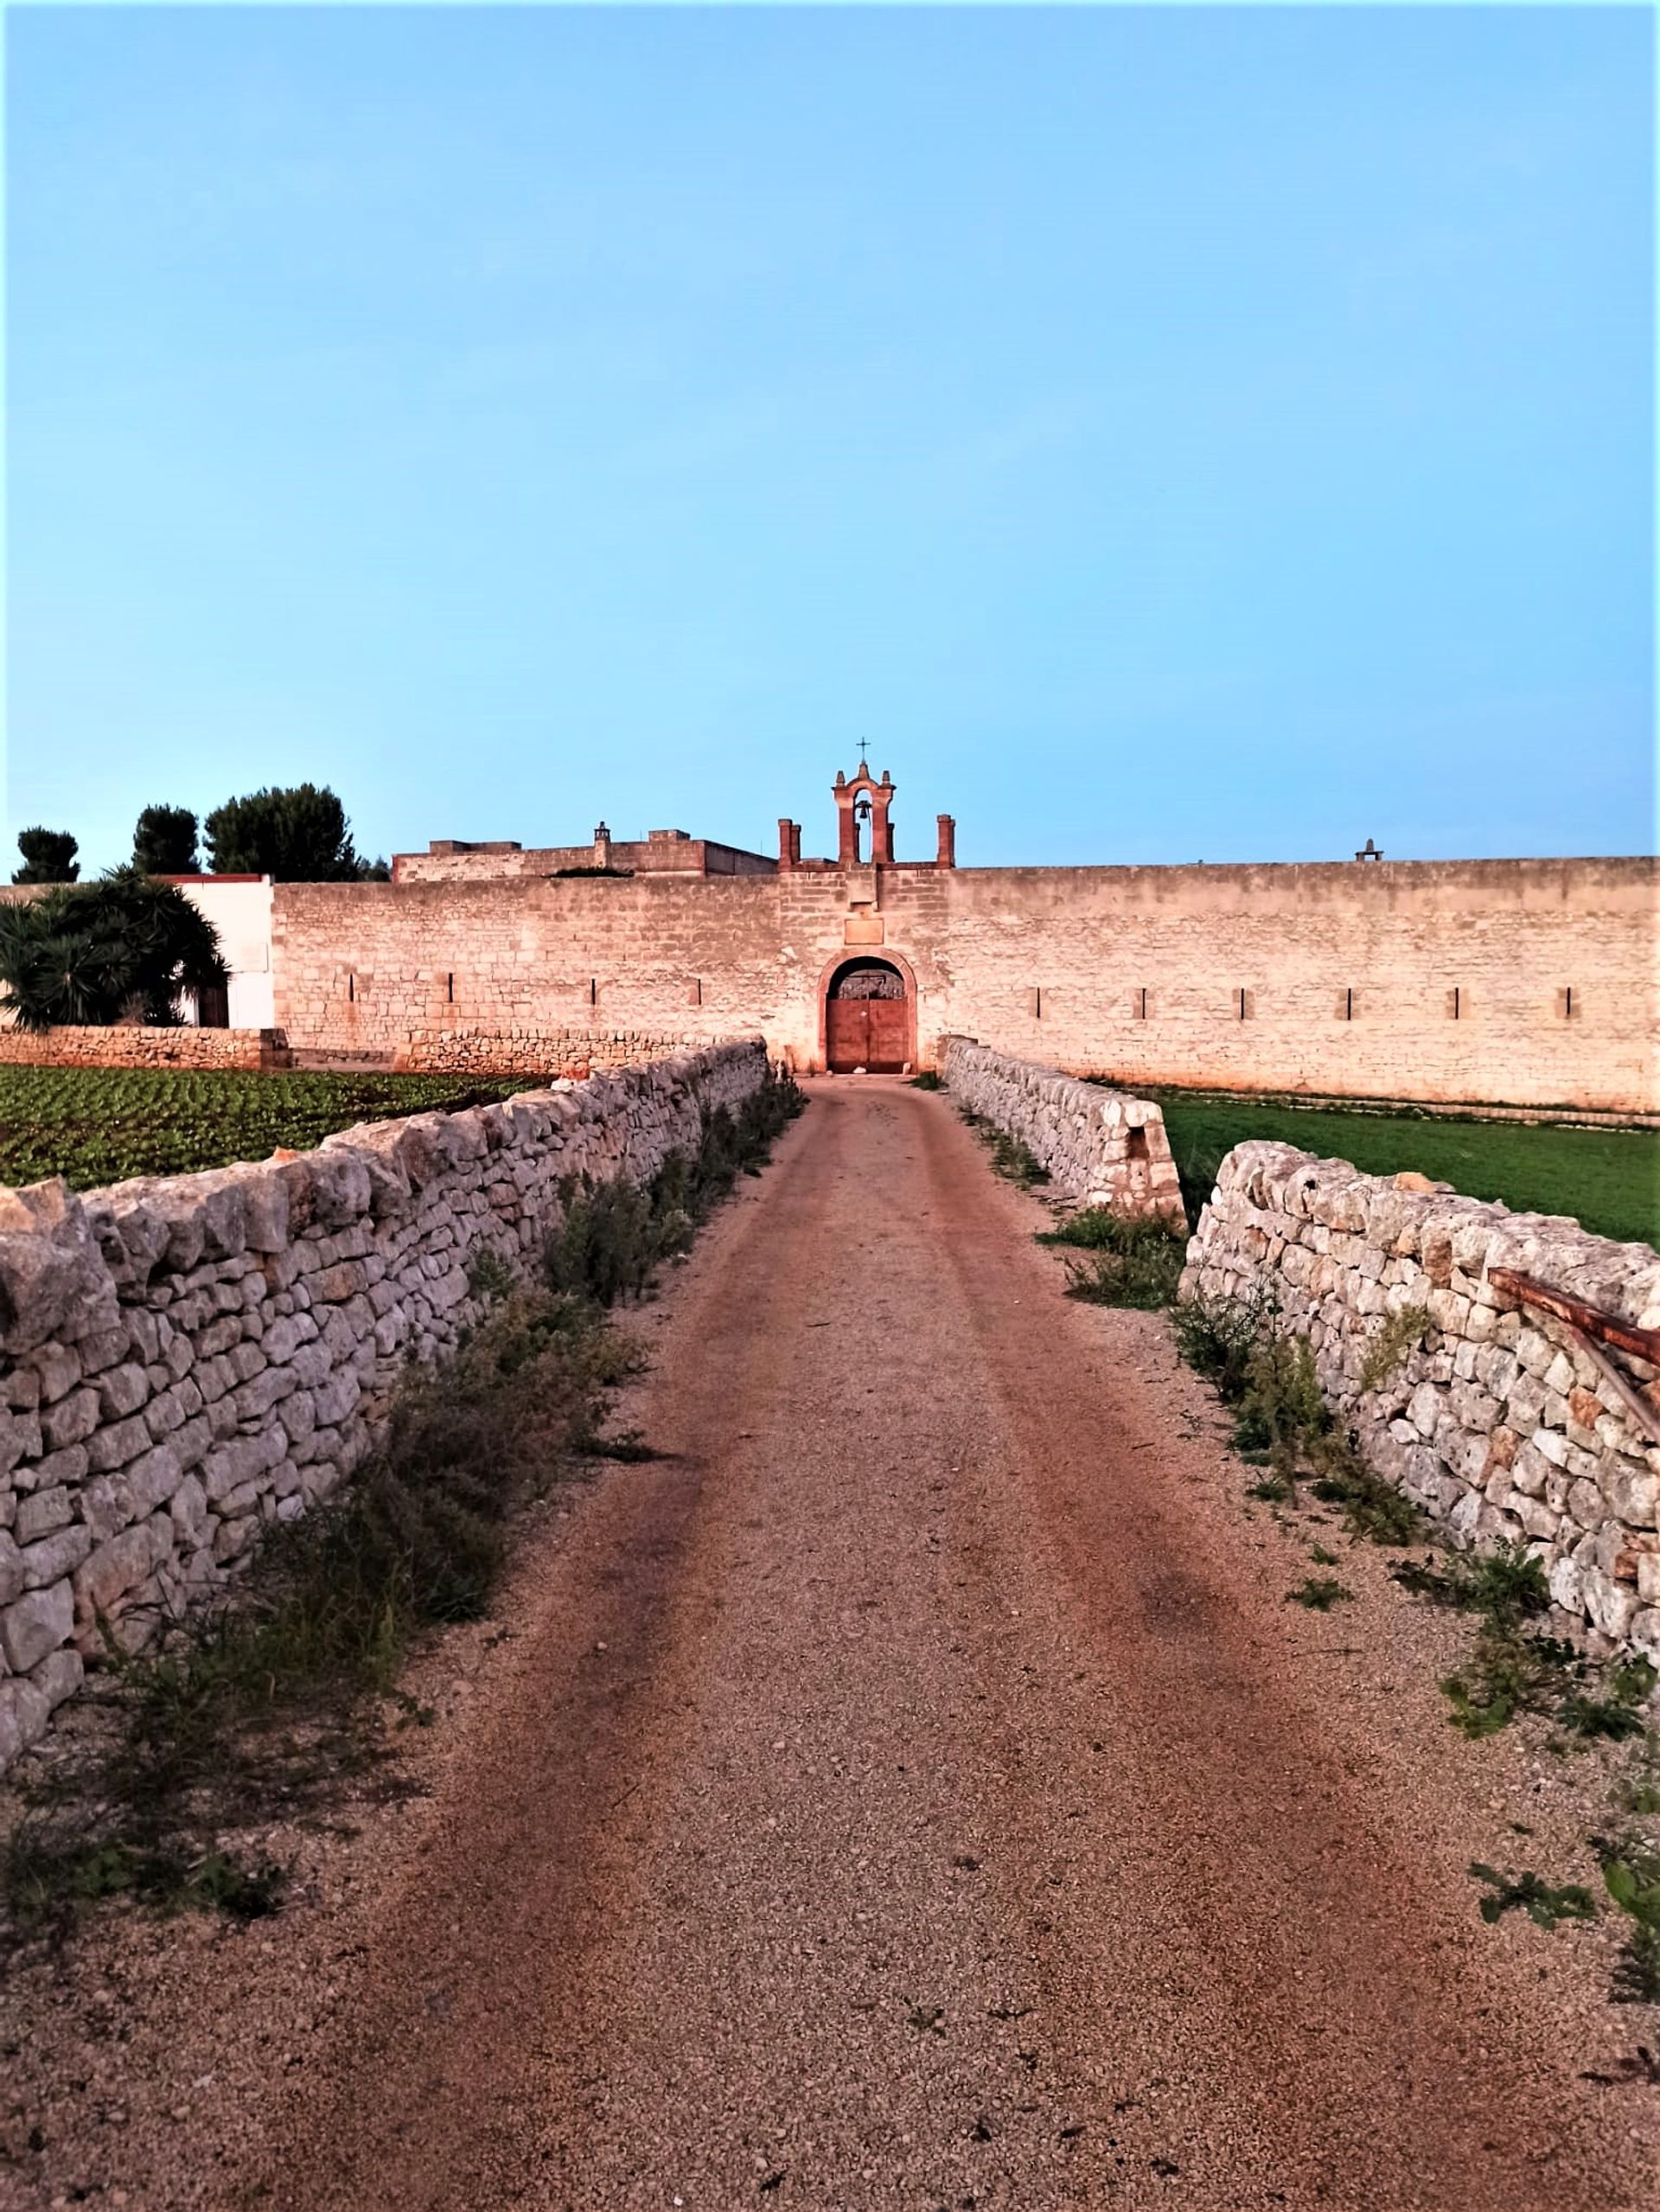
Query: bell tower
[{"x": 861, "y": 800}]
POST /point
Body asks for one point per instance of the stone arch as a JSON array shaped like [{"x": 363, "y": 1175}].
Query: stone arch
[{"x": 846, "y": 967}]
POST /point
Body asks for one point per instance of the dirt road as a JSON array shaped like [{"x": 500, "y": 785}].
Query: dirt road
[{"x": 913, "y": 1792}]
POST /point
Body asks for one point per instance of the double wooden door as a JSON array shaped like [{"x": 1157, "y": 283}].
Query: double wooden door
[{"x": 870, "y": 1033}]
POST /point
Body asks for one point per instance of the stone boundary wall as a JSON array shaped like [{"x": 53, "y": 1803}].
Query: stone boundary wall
[
  {"x": 1498, "y": 1424},
  {"x": 528, "y": 1049},
  {"x": 131, "y": 1046},
  {"x": 184, "y": 1360},
  {"x": 1504, "y": 982},
  {"x": 1100, "y": 1146}
]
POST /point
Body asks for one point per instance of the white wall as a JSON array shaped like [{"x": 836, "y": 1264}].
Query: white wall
[{"x": 239, "y": 909}]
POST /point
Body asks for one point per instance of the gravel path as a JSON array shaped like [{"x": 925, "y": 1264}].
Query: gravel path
[{"x": 915, "y": 1791}]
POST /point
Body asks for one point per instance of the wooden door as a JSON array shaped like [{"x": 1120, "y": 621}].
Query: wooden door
[
  {"x": 847, "y": 1034},
  {"x": 888, "y": 1039}
]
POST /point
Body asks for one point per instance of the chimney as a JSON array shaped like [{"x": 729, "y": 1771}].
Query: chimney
[
  {"x": 948, "y": 841},
  {"x": 790, "y": 843}
]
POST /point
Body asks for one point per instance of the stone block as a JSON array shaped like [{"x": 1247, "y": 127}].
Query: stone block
[
  {"x": 36, "y": 1623},
  {"x": 71, "y": 1421}
]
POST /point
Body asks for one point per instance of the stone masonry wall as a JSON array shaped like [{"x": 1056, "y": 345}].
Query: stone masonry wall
[
  {"x": 1518, "y": 982},
  {"x": 1100, "y": 1146},
  {"x": 526, "y": 1049},
  {"x": 184, "y": 1360},
  {"x": 129, "y": 1045},
  {"x": 1498, "y": 1424}
]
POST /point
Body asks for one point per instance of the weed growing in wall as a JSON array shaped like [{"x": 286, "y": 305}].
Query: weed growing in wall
[{"x": 1400, "y": 1336}]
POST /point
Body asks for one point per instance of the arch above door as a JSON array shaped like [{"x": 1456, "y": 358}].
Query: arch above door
[{"x": 867, "y": 1014}]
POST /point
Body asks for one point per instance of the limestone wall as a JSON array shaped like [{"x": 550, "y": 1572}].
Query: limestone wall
[
  {"x": 1499, "y": 1424},
  {"x": 129, "y": 1045},
  {"x": 1521, "y": 982},
  {"x": 529, "y": 1048},
  {"x": 185, "y": 1360},
  {"x": 1100, "y": 1146}
]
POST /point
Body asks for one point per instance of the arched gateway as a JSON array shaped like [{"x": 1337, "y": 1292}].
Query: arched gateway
[{"x": 868, "y": 1018}]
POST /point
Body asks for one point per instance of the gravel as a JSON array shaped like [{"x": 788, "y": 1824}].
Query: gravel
[{"x": 914, "y": 1790}]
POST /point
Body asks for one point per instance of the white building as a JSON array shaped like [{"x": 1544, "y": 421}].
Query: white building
[{"x": 239, "y": 909}]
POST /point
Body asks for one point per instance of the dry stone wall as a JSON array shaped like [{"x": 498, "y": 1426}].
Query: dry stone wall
[
  {"x": 529, "y": 1049},
  {"x": 1499, "y": 1422},
  {"x": 183, "y": 1360},
  {"x": 131, "y": 1046},
  {"x": 1100, "y": 1146}
]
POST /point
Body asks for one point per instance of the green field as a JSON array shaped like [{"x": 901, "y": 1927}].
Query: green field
[
  {"x": 1607, "y": 1179},
  {"x": 99, "y": 1125}
]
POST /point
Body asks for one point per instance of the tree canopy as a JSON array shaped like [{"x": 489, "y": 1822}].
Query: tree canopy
[
  {"x": 49, "y": 856},
  {"x": 164, "y": 842},
  {"x": 299, "y": 833},
  {"x": 118, "y": 949}
]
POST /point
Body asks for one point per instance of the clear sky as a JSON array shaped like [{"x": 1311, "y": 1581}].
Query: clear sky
[{"x": 1165, "y": 435}]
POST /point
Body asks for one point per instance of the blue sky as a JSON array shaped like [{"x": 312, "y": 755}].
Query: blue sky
[{"x": 1165, "y": 435}]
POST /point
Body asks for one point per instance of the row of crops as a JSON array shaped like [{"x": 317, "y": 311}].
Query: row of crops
[{"x": 99, "y": 1125}]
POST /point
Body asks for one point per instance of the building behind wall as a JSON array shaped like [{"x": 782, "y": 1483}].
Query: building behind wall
[{"x": 1530, "y": 982}]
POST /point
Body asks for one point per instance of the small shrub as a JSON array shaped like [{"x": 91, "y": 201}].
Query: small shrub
[
  {"x": 1319, "y": 1594},
  {"x": 1400, "y": 1335},
  {"x": 1506, "y": 1584},
  {"x": 1631, "y": 1874},
  {"x": 1372, "y": 1508},
  {"x": 1620, "y": 1711},
  {"x": 1507, "y": 1673},
  {"x": 1545, "y": 1906},
  {"x": 489, "y": 1277},
  {"x": 1217, "y": 1337},
  {"x": 1637, "y": 1791},
  {"x": 929, "y": 1080},
  {"x": 1134, "y": 1262}
]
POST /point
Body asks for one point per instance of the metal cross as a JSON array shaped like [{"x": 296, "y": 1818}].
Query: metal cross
[{"x": 863, "y": 747}]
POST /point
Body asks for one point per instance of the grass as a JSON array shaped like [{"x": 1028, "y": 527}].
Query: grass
[
  {"x": 1609, "y": 1180},
  {"x": 1015, "y": 1162},
  {"x": 1128, "y": 1262},
  {"x": 257, "y": 1708},
  {"x": 99, "y": 1125}
]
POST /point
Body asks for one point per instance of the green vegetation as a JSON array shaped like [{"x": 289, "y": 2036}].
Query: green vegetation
[
  {"x": 1015, "y": 1162},
  {"x": 1512, "y": 1670},
  {"x": 929, "y": 1080},
  {"x": 296, "y": 834},
  {"x": 164, "y": 842},
  {"x": 1609, "y": 1180},
  {"x": 121, "y": 948},
  {"x": 1631, "y": 1874},
  {"x": 49, "y": 856},
  {"x": 1400, "y": 1334},
  {"x": 98, "y": 1125},
  {"x": 1319, "y": 1594},
  {"x": 1131, "y": 1262},
  {"x": 254, "y": 1710},
  {"x": 1545, "y": 1906},
  {"x": 1282, "y": 1420}
]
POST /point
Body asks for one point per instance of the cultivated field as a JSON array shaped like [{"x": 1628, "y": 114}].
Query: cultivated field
[
  {"x": 99, "y": 1125},
  {"x": 1607, "y": 1179}
]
